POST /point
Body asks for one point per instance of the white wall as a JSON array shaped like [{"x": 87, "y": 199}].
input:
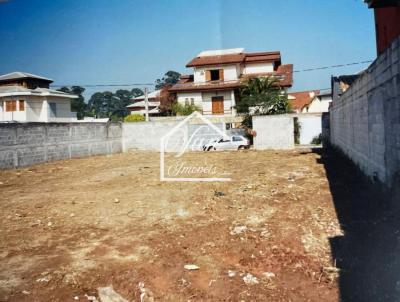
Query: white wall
[
  {"x": 250, "y": 68},
  {"x": 15, "y": 115},
  {"x": 63, "y": 109},
  {"x": 231, "y": 72},
  {"x": 34, "y": 110},
  {"x": 311, "y": 126},
  {"x": 196, "y": 96},
  {"x": 37, "y": 110},
  {"x": 204, "y": 100},
  {"x": 273, "y": 132}
]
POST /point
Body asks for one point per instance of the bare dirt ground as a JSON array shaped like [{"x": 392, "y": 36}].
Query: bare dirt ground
[{"x": 69, "y": 227}]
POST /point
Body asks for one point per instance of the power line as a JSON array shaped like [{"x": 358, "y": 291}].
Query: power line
[
  {"x": 105, "y": 85},
  {"x": 333, "y": 66},
  {"x": 152, "y": 84}
]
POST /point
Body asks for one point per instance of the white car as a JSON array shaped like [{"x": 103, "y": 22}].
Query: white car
[{"x": 235, "y": 142}]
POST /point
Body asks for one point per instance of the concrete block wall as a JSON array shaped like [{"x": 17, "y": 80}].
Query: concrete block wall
[
  {"x": 148, "y": 135},
  {"x": 31, "y": 143},
  {"x": 365, "y": 120},
  {"x": 145, "y": 135},
  {"x": 273, "y": 132}
]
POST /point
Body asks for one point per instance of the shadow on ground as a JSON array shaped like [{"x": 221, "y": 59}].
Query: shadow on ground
[{"x": 368, "y": 254}]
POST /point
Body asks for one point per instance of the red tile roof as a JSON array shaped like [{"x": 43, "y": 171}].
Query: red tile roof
[
  {"x": 284, "y": 75},
  {"x": 302, "y": 98},
  {"x": 272, "y": 56},
  {"x": 267, "y": 56},
  {"x": 216, "y": 60}
]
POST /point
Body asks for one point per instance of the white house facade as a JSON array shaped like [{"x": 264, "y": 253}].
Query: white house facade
[
  {"x": 26, "y": 97},
  {"x": 320, "y": 103},
  {"x": 218, "y": 74}
]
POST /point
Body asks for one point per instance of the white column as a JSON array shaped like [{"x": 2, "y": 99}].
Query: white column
[{"x": 45, "y": 113}]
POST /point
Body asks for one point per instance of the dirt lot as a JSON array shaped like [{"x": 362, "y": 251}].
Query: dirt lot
[{"x": 69, "y": 227}]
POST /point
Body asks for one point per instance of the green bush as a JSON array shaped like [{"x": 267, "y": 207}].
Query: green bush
[
  {"x": 317, "y": 140},
  {"x": 179, "y": 109},
  {"x": 133, "y": 118}
]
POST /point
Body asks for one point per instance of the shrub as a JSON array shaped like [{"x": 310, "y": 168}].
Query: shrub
[
  {"x": 179, "y": 109},
  {"x": 133, "y": 118},
  {"x": 317, "y": 140}
]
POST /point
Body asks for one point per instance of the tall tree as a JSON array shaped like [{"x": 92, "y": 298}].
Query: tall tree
[
  {"x": 78, "y": 105},
  {"x": 112, "y": 105},
  {"x": 136, "y": 92},
  {"x": 170, "y": 78}
]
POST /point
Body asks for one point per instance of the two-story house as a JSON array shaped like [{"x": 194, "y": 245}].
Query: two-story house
[
  {"x": 218, "y": 74},
  {"x": 26, "y": 97}
]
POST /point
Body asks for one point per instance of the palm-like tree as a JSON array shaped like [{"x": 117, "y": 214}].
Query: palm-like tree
[{"x": 260, "y": 96}]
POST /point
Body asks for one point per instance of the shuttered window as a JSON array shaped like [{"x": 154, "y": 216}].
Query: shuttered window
[
  {"x": 214, "y": 75},
  {"x": 21, "y": 105},
  {"x": 11, "y": 106}
]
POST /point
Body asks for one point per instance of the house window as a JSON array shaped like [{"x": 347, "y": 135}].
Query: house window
[
  {"x": 214, "y": 75},
  {"x": 192, "y": 101},
  {"x": 11, "y": 106},
  {"x": 53, "y": 109},
  {"x": 186, "y": 101},
  {"x": 21, "y": 105}
]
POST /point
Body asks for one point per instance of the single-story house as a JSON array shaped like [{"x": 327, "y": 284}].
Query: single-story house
[
  {"x": 26, "y": 97},
  {"x": 139, "y": 106}
]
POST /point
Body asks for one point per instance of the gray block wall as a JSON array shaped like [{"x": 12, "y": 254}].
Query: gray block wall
[
  {"x": 273, "y": 132},
  {"x": 31, "y": 143},
  {"x": 148, "y": 135},
  {"x": 365, "y": 120}
]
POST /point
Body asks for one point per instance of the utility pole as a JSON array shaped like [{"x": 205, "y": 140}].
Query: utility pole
[{"x": 146, "y": 104}]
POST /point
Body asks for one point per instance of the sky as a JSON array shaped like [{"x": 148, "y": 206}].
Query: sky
[{"x": 81, "y": 42}]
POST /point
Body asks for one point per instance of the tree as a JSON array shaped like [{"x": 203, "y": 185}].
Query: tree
[
  {"x": 101, "y": 104},
  {"x": 136, "y": 92},
  {"x": 262, "y": 96},
  {"x": 170, "y": 78},
  {"x": 78, "y": 105},
  {"x": 112, "y": 105}
]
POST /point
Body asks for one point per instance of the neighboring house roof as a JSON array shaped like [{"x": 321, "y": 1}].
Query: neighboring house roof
[
  {"x": 347, "y": 79},
  {"x": 142, "y": 104},
  {"x": 22, "y": 75},
  {"x": 22, "y": 91},
  {"x": 298, "y": 100},
  {"x": 242, "y": 57},
  {"x": 150, "y": 95},
  {"x": 325, "y": 93}
]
